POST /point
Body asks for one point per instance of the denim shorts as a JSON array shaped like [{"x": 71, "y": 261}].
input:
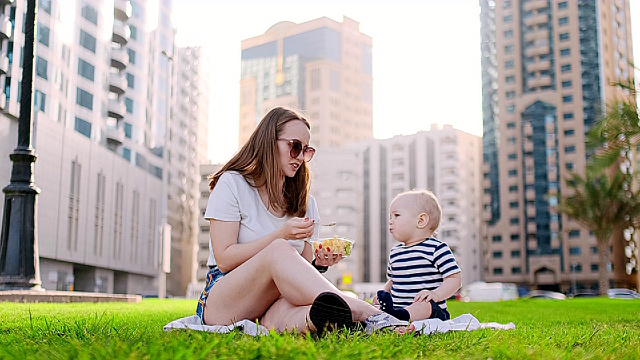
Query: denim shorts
[{"x": 212, "y": 277}]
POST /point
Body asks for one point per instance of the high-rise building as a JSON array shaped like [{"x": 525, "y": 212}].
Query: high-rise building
[
  {"x": 321, "y": 67},
  {"x": 187, "y": 149},
  {"x": 444, "y": 160},
  {"x": 547, "y": 70},
  {"x": 102, "y": 89}
]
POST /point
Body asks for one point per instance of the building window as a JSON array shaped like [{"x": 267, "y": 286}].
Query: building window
[
  {"x": 513, "y": 188},
  {"x": 569, "y": 132},
  {"x": 74, "y": 205},
  {"x": 40, "y": 100},
  {"x": 574, "y": 233},
  {"x": 132, "y": 56},
  {"x": 497, "y": 254},
  {"x": 567, "y": 99},
  {"x": 514, "y": 205},
  {"x": 89, "y": 13},
  {"x": 568, "y": 166},
  {"x": 511, "y": 109},
  {"x": 564, "y": 36},
  {"x": 515, "y": 254},
  {"x": 45, "y": 5},
  {"x": 508, "y": 34},
  {"x": 514, "y": 221},
  {"x": 567, "y": 84},
  {"x": 510, "y": 79},
  {"x": 84, "y": 99},
  {"x": 86, "y": 70},
  {"x": 565, "y": 68},
  {"x": 513, "y": 173},
  {"x": 126, "y": 154},
  {"x": 511, "y": 94},
  {"x": 508, "y": 18},
  {"x": 565, "y": 52},
  {"x": 83, "y": 127},
  {"x": 315, "y": 83},
  {"x": 574, "y": 250},
  {"x": 497, "y": 271},
  {"x": 515, "y": 237},
  {"x": 511, "y": 125},
  {"x": 131, "y": 81},
  {"x": 562, "y": 5},
  {"x": 128, "y": 129},
  {"x": 43, "y": 35},
  {"x": 563, "y": 21},
  {"x": 594, "y": 268},
  {"x": 509, "y": 64},
  {"x": 128, "y": 104},
  {"x": 87, "y": 41},
  {"x": 516, "y": 270},
  {"x": 569, "y": 149},
  {"x": 41, "y": 67},
  {"x": 567, "y": 116},
  {"x": 512, "y": 157},
  {"x": 508, "y": 49},
  {"x": 134, "y": 32},
  {"x": 496, "y": 238}
]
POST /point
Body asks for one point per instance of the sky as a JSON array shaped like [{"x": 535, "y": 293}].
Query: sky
[{"x": 426, "y": 58}]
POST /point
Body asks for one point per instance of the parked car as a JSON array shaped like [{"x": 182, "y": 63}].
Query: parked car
[
  {"x": 584, "y": 293},
  {"x": 622, "y": 294},
  {"x": 545, "y": 294}
]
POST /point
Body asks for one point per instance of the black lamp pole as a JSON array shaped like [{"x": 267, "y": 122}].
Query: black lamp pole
[{"x": 19, "y": 263}]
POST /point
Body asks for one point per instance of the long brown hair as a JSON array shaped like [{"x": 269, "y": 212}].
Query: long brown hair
[{"x": 257, "y": 161}]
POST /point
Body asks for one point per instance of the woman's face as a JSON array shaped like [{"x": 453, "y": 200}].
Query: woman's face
[{"x": 293, "y": 130}]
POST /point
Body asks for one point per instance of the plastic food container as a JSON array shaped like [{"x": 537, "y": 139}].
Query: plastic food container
[{"x": 336, "y": 245}]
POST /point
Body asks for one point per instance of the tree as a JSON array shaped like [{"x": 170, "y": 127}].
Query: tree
[
  {"x": 607, "y": 201},
  {"x": 603, "y": 206}
]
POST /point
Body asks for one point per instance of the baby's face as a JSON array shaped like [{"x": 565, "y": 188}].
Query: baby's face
[{"x": 403, "y": 217}]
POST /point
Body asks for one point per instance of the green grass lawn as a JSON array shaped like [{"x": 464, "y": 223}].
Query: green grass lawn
[{"x": 596, "y": 328}]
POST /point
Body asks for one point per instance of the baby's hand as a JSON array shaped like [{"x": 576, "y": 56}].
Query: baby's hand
[{"x": 426, "y": 295}]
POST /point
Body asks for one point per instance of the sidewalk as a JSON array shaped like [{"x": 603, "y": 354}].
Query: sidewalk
[{"x": 35, "y": 296}]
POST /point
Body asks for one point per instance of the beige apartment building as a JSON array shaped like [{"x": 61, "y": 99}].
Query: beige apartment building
[
  {"x": 547, "y": 68},
  {"x": 322, "y": 67}
]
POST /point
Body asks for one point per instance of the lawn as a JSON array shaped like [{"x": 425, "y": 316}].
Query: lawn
[{"x": 595, "y": 328}]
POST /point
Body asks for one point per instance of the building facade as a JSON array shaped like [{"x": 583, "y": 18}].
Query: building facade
[
  {"x": 444, "y": 160},
  {"x": 102, "y": 87},
  {"x": 547, "y": 69},
  {"x": 321, "y": 67}
]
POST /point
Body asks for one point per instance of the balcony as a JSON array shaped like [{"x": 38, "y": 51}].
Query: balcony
[
  {"x": 116, "y": 109},
  {"x": 115, "y": 135},
  {"x": 536, "y": 20},
  {"x": 537, "y": 50},
  {"x": 535, "y": 5},
  {"x": 539, "y": 65},
  {"x": 119, "y": 58},
  {"x": 6, "y": 2},
  {"x": 5, "y": 27},
  {"x": 4, "y": 63},
  {"x": 122, "y": 10},
  {"x": 536, "y": 35},
  {"x": 121, "y": 33},
  {"x": 117, "y": 83},
  {"x": 539, "y": 81},
  {"x": 3, "y": 101}
]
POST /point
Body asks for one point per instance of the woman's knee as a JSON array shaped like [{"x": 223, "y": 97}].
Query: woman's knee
[{"x": 280, "y": 247}]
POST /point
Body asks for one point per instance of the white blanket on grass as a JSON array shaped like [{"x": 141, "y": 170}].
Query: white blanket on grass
[{"x": 463, "y": 322}]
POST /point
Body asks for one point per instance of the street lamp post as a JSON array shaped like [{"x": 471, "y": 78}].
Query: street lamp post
[{"x": 19, "y": 263}]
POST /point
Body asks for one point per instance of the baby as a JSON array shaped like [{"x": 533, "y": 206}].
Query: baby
[{"x": 422, "y": 271}]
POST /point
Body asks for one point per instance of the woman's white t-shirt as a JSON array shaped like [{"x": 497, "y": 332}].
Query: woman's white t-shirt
[{"x": 233, "y": 199}]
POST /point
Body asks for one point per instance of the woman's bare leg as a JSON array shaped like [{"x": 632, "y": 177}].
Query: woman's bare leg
[
  {"x": 284, "y": 316},
  {"x": 277, "y": 271}
]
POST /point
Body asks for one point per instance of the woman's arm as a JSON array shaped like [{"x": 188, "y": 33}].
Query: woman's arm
[{"x": 229, "y": 254}]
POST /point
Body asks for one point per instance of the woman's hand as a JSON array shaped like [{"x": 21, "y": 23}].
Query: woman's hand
[
  {"x": 297, "y": 229},
  {"x": 324, "y": 257}
]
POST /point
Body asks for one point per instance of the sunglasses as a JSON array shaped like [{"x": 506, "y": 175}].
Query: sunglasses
[{"x": 296, "y": 148}]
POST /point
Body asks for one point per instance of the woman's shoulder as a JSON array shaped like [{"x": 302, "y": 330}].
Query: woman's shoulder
[{"x": 232, "y": 176}]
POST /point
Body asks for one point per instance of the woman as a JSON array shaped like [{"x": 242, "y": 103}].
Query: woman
[{"x": 260, "y": 213}]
